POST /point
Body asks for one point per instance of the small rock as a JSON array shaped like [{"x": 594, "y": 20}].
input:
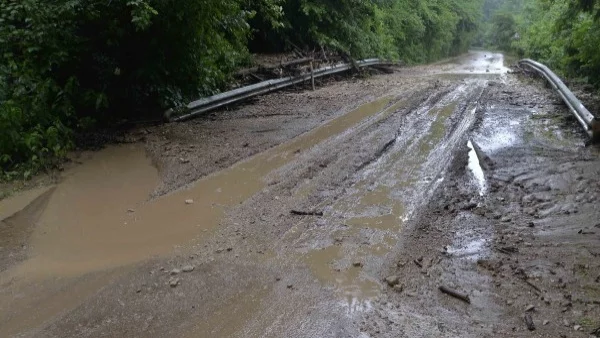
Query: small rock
[
  {"x": 357, "y": 264},
  {"x": 138, "y": 290},
  {"x": 290, "y": 286},
  {"x": 566, "y": 323},
  {"x": 173, "y": 282},
  {"x": 188, "y": 268},
  {"x": 392, "y": 280},
  {"x": 509, "y": 302},
  {"x": 190, "y": 201},
  {"x": 505, "y": 219},
  {"x": 577, "y": 327},
  {"x": 184, "y": 160},
  {"x": 546, "y": 322},
  {"x": 175, "y": 272},
  {"x": 531, "y": 224},
  {"x": 130, "y": 210},
  {"x": 530, "y": 308},
  {"x": 398, "y": 288},
  {"x": 529, "y": 322}
]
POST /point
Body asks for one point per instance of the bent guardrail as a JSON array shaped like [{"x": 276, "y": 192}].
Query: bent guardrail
[
  {"x": 589, "y": 122},
  {"x": 204, "y": 105}
]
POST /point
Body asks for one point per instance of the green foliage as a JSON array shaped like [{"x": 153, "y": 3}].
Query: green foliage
[
  {"x": 67, "y": 61},
  {"x": 65, "y": 64},
  {"x": 561, "y": 34},
  {"x": 502, "y": 31},
  {"x": 414, "y": 31}
]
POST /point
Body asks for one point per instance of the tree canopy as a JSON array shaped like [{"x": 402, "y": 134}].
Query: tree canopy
[
  {"x": 560, "y": 33},
  {"x": 66, "y": 65}
]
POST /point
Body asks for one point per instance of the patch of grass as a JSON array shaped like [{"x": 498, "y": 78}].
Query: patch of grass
[{"x": 588, "y": 323}]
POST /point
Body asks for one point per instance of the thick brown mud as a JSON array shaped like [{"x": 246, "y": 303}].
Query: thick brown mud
[{"x": 424, "y": 174}]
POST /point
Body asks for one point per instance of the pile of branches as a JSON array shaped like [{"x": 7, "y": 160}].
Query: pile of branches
[{"x": 296, "y": 63}]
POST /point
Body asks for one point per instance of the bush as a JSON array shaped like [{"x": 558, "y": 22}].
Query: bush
[
  {"x": 66, "y": 63},
  {"x": 561, "y": 34},
  {"x": 64, "y": 60}
]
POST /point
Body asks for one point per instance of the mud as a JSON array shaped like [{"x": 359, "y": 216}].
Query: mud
[{"x": 433, "y": 174}]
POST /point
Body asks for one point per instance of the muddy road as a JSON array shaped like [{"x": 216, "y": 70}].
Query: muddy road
[{"x": 338, "y": 212}]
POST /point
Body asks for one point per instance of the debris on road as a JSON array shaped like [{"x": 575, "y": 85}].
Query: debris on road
[
  {"x": 306, "y": 213},
  {"x": 465, "y": 298},
  {"x": 392, "y": 280},
  {"x": 529, "y": 322},
  {"x": 174, "y": 282}
]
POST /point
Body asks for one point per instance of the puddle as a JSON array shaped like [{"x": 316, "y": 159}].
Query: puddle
[
  {"x": 476, "y": 169},
  {"x": 308, "y": 187},
  {"x": 100, "y": 217},
  {"x": 477, "y": 62},
  {"x": 355, "y": 290},
  {"x": 473, "y": 249},
  {"x": 500, "y": 130},
  {"x": 19, "y": 201},
  {"x": 378, "y": 206},
  {"x": 387, "y": 222}
]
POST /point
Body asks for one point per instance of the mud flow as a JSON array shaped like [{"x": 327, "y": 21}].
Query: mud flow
[{"x": 323, "y": 226}]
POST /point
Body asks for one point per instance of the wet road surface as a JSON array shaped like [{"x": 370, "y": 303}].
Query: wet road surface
[{"x": 97, "y": 255}]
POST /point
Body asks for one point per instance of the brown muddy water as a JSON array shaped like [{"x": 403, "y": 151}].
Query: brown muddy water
[{"x": 100, "y": 217}]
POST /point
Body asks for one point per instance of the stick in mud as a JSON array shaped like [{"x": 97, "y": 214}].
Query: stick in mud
[
  {"x": 455, "y": 294},
  {"x": 533, "y": 286},
  {"x": 306, "y": 213},
  {"x": 529, "y": 323}
]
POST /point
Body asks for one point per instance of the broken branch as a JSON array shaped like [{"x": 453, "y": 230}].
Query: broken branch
[
  {"x": 306, "y": 213},
  {"x": 455, "y": 294}
]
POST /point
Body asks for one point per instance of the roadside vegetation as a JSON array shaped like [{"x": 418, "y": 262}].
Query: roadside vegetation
[
  {"x": 560, "y": 33},
  {"x": 68, "y": 66}
]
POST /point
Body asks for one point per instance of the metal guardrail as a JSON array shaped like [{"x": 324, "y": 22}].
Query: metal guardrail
[
  {"x": 589, "y": 122},
  {"x": 204, "y": 105}
]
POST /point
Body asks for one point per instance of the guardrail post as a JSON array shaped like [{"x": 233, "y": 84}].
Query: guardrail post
[
  {"x": 312, "y": 75},
  {"x": 595, "y": 131}
]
